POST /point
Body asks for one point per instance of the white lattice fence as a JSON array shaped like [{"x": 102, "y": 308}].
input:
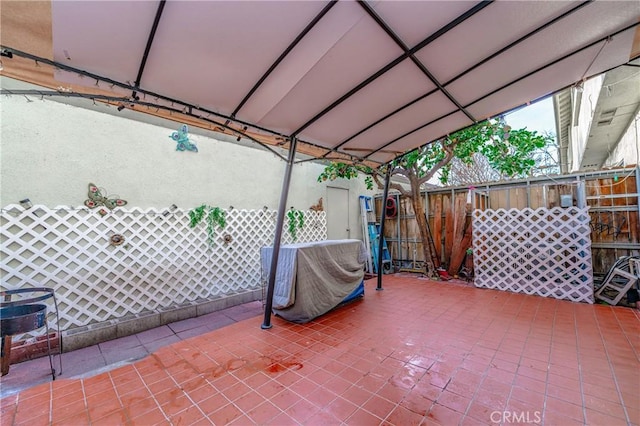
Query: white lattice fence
[
  {"x": 162, "y": 262},
  {"x": 544, "y": 251}
]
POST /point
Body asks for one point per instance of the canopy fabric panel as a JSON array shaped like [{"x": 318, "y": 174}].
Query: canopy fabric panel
[{"x": 368, "y": 79}]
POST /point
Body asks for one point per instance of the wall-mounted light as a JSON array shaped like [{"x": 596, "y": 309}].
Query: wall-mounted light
[
  {"x": 172, "y": 208},
  {"x": 26, "y": 203}
]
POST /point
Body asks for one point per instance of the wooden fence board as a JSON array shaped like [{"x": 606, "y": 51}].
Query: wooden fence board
[
  {"x": 436, "y": 229},
  {"x": 457, "y": 225},
  {"x": 458, "y": 231},
  {"x": 406, "y": 228},
  {"x": 633, "y": 226},
  {"x": 605, "y": 189},
  {"x": 448, "y": 225},
  {"x": 518, "y": 198},
  {"x": 604, "y": 220}
]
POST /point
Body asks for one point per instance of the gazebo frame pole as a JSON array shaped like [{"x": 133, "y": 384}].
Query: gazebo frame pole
[
  {"x": 278, "y": 234},
  {"x": 383, "y": 216}
]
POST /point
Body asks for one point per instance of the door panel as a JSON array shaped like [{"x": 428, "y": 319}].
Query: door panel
[{"x": 337, "y": 213}]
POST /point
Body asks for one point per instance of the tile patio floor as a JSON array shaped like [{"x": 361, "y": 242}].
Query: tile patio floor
[
  {"x": 111, "y": 354},
  {"x": 419, "y": 352}
]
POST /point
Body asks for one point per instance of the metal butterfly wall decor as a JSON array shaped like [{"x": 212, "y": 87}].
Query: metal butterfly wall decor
[
  {"x": 182, "y": 138},
  {"x": 96, "y": 199}
]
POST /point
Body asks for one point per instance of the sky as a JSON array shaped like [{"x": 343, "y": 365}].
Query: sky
[{"x": 538, "y": 117}]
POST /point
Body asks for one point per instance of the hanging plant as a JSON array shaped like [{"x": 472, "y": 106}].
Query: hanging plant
[
  {"x": 213, "y": 216},
  {"x": 296, "y": 221}
]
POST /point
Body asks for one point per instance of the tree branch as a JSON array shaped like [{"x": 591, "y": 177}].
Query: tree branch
[
  {"x": 400, "y": 171},
  {"x": 376, "y": 179},
  {"x": 448, "y": 149},
  {"x": 396, "y": 186},
  {"x": 400, "y": 189}
]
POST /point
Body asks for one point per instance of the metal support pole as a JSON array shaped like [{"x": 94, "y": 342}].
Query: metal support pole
[
  {"x": 383, "y": 216},
  {"x": 278, "y": 235},
  {"x": 638, "y": 183},
  {"x": 399, "y": 232}
]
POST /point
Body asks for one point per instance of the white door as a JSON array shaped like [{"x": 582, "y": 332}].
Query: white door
[{"x": 337, "y": 213}]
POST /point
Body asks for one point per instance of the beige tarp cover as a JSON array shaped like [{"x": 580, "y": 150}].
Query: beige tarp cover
[
  {"x": 313, "y": 278},
  {"x": 367, "y": 80}
]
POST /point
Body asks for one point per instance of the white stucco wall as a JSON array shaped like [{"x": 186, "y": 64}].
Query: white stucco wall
[
  {"x": 50, "y": 151},
  {"x": 628, "y": 149},
  {"x": 579, "y": 132}
]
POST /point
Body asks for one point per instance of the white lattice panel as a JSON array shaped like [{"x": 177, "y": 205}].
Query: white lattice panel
[
  {"x": 544, "y": 251},
  {"x": 163, "y": 262}
]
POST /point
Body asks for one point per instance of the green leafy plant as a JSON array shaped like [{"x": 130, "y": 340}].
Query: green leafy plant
[
  {"x": 213, "y": 216},
  {"x": 296, "y": 221},
  {"x": 507, "y": 150},
  {"x": 337, "y": 170}
]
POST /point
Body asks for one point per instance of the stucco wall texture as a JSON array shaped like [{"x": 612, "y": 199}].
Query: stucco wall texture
[{"x": 50, "y": 151}]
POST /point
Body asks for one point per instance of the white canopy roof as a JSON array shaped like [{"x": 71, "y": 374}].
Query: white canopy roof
[{"x": 371, "y": 79}]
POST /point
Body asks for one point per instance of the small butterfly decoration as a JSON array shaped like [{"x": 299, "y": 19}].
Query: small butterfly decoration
[
  {"x": 182, "y": 137},
  {"x": 96, "y": 199}
]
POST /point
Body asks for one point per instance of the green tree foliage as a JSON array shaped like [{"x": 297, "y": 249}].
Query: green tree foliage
[
  {"x": 337, "y": 170},
  {"x": 507, "y": 150}
]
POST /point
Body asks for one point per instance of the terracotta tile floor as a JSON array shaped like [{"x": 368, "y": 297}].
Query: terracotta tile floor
[
  {"x": 111, "y": 354},
  {"x": 419, "y": 352}
]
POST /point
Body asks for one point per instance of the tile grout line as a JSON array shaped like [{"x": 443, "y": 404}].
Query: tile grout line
[
  {"x": 580, "y": 376},
  {"x": 361, "y": 406},
  {"x": 546, "y": 383},
  {"x": 187, "y": 396},
  {"x": 50, "y": 402},
  {"x": 513, "y": 382},
  {"x": 521, "y": 353},
  {"x": 473, "y": 397},
  {"x": 153, "y": 395},
  {"x": 84, "y": 399},
  {"x": 611, "y": 368},
  {"x": 15, "y": 409},
  {"x": 439, "y": 316},
  {"x": 625, "y": 334},
  {"x": 115, "y": 389}
]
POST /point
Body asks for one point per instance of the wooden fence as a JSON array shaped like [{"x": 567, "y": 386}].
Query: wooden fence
[{"x": 612, "y": 197}]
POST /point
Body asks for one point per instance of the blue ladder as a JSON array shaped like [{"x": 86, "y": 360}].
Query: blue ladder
[{"x": 373, "y": 230}]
